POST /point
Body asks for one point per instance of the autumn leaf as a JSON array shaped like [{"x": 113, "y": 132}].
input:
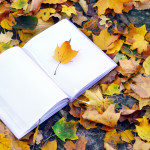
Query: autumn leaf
[
  {"x": 65, "y": 130},
  {"x": 146, "y": 65},
  {"x": 127, "y": 136},
  {"x": 112, "y": 138},
  {"x": 143, "y": 129},
  {"x": 45, "y": 13},
  {"x": 141, "y": 86},
  {"x": 69, "y": 145},
  {"x": 6, "y": 37},
  {"x": 64, "y": 54},
  {"x": 117, "y": 5},
  {"x": 140, "y": 145},
  {"x": 109, "y": 117},
  {"x": 23, "y": 145},
  {"x": 5, "y": 143},
  {"x": 4, "y": 47},
  {"x": 54, "y": 1},
  {"x": 18, "y": 4},
  {"x": 50, "y": 145},
  {"x": 112, "y": 89},
  {"x": 105, "y": 40},
  {"x": 69, "y": 10}
]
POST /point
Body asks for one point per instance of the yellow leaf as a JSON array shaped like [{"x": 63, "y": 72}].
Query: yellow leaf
[
  {"x": 127, "y": 136},
  {"x": 139, "y": 43},
  {"x": 117, "y": 5},
  {"x": 64, "y": 54},
  {"x": 146, "y": 65},
  {"x": 35, "y": 134},
  {"x": 24, "y": 37},
  {"x": 143, "y": 129},
  {"x": 118, "y": 44},
  {"x": 112, "y": 138},
  {"x": 69, "y": 10},
  {"x": 112, "y": 89},
  {"x": 50, "y": 145},
  {"x": 5, "y": 144},
  {"x": 54, "y": 1},
  {"x": 23, "y": 145},
  {"x": 108, "y": 118},
  {"x": 6, "y": 37},
  {"x": 18, "y": 4},
  {"x": 140, "y": 145},
  {"x": 105, "y": 40},
  {"x": 7, "y": 23},
  {"x": 45, "y": 13},
  {"x": 4, "y": 47}
]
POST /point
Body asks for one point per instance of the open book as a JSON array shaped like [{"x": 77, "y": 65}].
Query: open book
[{"x": 29, "y": 90}]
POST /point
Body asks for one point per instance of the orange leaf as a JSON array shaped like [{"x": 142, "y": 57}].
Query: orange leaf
[
  {"x": 50, "y": 145},
  {"x": 64, "y": 54},
  {"x": 69, "y": 145}
]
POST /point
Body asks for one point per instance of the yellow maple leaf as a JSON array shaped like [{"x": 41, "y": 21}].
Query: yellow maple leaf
[
  {"x": 140, "y": 43},
  {"x": 54, "y": 1},
  {"x": 5, "y": 143},
  {"x": 64, "y": 54},
  {"x": 50, "y": 145},
  {"x": 69, "y": 10},
  {"x": 140, "y": 145},
  {"x": 20, "y": 4},
  {"x": 112, "y": 89},
  {"x": 118, "y": 44},
  {"x": 117, "y": 5},
  {"x": 108, "y": 118},
  {"x": 7, "y": 23},
  {"x": 143, "y": 129},
  {"x": 23, "y": 145},
  {"x": 45, "y": 13},
  {"x": 127, "y": 136},
  {"x": 105, "y": 40},
  {"x": 146, "y": 65}
]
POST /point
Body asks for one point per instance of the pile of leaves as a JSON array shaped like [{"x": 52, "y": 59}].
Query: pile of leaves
[{"x": 98, "y": 108}]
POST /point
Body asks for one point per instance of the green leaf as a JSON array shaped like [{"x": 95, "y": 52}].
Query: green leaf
[
  {"x": 65, "y": 130},
  {"x": 26, "y": 22}
]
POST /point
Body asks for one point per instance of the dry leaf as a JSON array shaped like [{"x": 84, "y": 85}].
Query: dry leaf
[
  {"x": 127, "y": 136},
  {"x": 6, "y": 37},
  {"x": 109, "y": 117},
  {"x": 69, "y": 10},
  {"x": 50, "y": 145},
  {"x": 64, "y": 54},
  {"x": 84, "y": 5},
  {"x": 146, "y": 65},
  {"x": 69, "y": 145},
  {"x": 35, "y": 5}
]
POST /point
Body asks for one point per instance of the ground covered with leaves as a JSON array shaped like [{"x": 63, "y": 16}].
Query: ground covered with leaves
[{"x": 115, "y": 112}]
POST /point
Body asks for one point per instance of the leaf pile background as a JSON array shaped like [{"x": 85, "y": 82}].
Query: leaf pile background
[{"x": 115, "y": 112}]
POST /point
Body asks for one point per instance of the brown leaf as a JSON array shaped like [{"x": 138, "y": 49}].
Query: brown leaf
[
  {"x": 141, "y": 86},
  {"x": 74, "y": 111},
  {"x": 69, "y": 145},
  {"x": 81, "y": 143},
  {"x": 109, "y": 117}
]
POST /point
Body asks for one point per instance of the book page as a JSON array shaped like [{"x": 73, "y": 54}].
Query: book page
[
  {"x": 85, "y": 69},
  {"x": 26, "y": 93}
]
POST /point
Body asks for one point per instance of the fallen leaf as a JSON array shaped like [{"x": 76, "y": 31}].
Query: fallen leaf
[
  {"x": 69, "y": 10},
  {"x": 18, "y": 4},
  {"x": 105, "y": 40},
  {"x": 146, "y": 65},
  {"x": 81, "y": 143},
  {"x": 141, "y": 6},
  {"x": 23, "y": 145},
  {"x": 128, "y": 67},
  {"x": 108, "y": 118},
  {"x": 50, "y": 145},
  {"x": 35, "y": 134},
  {"x": 141, "y": 86},
  {"x": 35, "y": 5},
  {"x": 140, "y": 145},
  {"x": 143, "y": 129},
  {"x": 64, "y": 54},
  {"x": 6, "y": 37},
  {"x": 74, "y": 111},
  {"x": 112, "y": 138},
  {"x": 4, "y": 47},
  {"x": 69, "y": 145},
  {"x": 117, "y": 5},
  {"x": 5, "y": 143},
  {"x": 24, "y": 37},
  {"x": 127, "y": 136},
  {"x": 45, "y": 13},
  {"x": 84, "y": 5},
  {"x": 112, "y": 89},
  {"x": 65, "y": 130},
  {"x": 54, "y": 1},
  {"x": 79, "y": 18}
]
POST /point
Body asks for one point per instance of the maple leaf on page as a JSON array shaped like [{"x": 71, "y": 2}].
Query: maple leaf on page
[
  {"x": 117, "y": 5},
  {"x": 64, "y": 54}
]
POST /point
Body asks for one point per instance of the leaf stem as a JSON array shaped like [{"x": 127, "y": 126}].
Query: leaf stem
[{"x": 57, "y": 68}]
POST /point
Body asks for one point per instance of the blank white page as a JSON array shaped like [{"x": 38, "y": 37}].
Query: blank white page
[
  {"x": 85, "y": 69},
  {"x": 26, "y": 92}
]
